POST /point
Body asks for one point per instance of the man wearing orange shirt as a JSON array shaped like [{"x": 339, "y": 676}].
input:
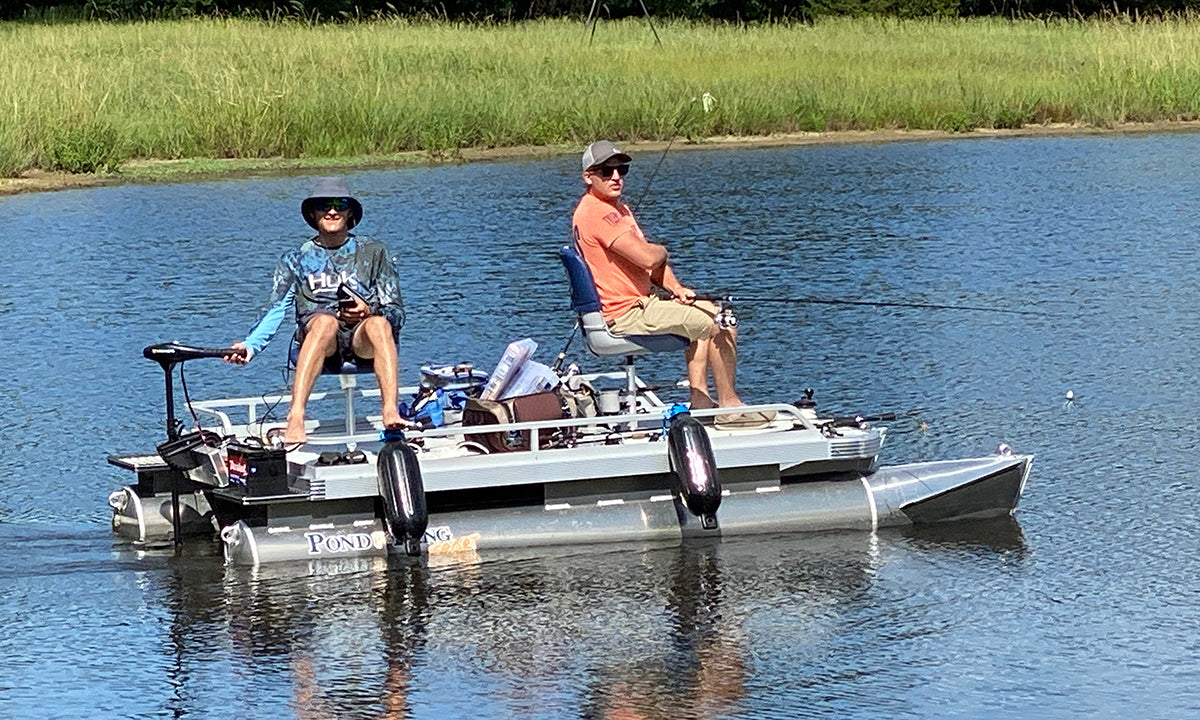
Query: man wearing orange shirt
[{"x": 626, "y": 268}]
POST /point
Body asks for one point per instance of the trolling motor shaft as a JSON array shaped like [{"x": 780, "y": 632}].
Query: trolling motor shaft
[{"x": 168, "y": 355}]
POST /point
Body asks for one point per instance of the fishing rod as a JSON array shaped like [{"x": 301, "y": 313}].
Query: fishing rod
[
  {"x": 706, "y": 101},
  {"x": 733, "y": 299},
  {"x": 562, "y": 355}
]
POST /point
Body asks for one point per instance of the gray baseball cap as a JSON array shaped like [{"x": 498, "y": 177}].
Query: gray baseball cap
[{"x": 603, "y": 152}]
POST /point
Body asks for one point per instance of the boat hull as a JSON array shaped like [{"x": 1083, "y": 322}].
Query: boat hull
[{"x": 919, "y": 493}]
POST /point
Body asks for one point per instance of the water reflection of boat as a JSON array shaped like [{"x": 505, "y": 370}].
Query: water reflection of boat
[
  {"x": 691, "y": 630},
  {"x": 1002, "y": 534},
  {"x": 641, "y": 472},
  {"x": 335, "y": 639}
]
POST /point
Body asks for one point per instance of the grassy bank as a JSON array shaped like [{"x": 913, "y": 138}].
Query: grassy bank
[{"x": 92, "y": 96}]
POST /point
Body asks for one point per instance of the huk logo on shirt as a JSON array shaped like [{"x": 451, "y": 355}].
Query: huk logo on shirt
[{"x": 323, "y": 281}]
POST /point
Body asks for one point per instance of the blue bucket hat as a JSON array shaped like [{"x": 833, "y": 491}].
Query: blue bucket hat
[{"x": 328, "y": 188}]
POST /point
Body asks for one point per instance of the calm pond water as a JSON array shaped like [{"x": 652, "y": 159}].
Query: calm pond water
[{"x": 1084, "y": 605}]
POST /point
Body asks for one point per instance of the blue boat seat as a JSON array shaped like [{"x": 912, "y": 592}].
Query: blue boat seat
[{"x": 585, "y": 301}]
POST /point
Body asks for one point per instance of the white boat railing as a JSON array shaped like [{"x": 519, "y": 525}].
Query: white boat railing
[
  {"x": 250, "y": 408},
  {"x": 624, "y": 425}
]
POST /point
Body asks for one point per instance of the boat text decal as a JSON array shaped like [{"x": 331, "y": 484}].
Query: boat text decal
[
  {"x": 441, "y": 541},
  {"x": 320, "y": 543}
]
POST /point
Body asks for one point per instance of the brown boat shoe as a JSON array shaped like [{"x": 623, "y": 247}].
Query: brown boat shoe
[{"x": 745, "y": 420}]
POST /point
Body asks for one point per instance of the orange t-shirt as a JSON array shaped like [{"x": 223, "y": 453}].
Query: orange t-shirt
[{"x": 619, "y": 282}]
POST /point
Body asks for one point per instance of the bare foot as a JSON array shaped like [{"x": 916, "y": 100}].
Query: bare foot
[
  {"x": 700, "y": 400},
  {"x": 295, "y": 432},
  {"x": 391, "y": 418}
]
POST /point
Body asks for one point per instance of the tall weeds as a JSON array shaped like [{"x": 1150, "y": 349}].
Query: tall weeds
[{"x": 86, "y": 96}]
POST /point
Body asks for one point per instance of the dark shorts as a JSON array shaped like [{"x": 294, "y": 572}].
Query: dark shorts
[{"x": 345, "y": 345}]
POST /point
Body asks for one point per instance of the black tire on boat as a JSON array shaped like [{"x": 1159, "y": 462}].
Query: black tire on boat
[
  {"x": 695, "y": 468},
  {"x": 403, "y": 491}
]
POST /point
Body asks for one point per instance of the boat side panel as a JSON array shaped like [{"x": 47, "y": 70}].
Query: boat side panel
[
  {"x": 805, "y": 507},
  {"x": 247, "y": 545},
  {"x": 749, "y": 507},
  {"x": 788, "y": 449},
  {"x": 559, "y": 524}
]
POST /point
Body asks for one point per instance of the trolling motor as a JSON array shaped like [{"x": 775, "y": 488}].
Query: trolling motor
[
  {"x": 178, "y": 450},
  {"x": 168, "y": 355}
]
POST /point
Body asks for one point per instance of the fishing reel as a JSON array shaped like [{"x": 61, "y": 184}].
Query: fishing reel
[{"x": 725, "y": 318}]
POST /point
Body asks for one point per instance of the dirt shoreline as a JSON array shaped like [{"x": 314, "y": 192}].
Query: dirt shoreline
[{"x": 193, "y": 170}]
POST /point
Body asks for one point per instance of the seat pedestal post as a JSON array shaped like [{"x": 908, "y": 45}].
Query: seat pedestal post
[
  {"x": 349, "y": 383},
  {"x": 630, "y": 399}
]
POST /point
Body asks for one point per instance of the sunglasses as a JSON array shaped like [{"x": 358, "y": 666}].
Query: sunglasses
[
  {"x": 606, "y": 171},
  {"x": 339, "y": 204}
]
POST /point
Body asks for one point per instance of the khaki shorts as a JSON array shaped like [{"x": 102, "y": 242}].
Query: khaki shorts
[{"x": 655, "y": 316}]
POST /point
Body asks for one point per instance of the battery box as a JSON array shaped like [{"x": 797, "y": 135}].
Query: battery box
[{"x": 258, "y": 471}]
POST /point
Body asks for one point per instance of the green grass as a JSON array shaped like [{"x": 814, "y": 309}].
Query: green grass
[{"x": 90, "y": 96}]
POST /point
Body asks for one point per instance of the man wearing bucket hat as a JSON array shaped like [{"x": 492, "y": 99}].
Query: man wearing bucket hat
[
  {"x": 345, "y": 293},
  {"x": 626, "y": 268}
]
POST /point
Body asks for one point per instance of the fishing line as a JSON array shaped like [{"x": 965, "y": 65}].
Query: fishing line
[
  {"x": 733, "y": 299},
  {"x": 707, "y": 101}
]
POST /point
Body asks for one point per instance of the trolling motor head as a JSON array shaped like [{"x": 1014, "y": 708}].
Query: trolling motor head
[{"x": 168, "y": 354}]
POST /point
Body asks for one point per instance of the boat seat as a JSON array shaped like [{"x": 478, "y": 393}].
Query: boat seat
[{"x": 585, "y": 301}]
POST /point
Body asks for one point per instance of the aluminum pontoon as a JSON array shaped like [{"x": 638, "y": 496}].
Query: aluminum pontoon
[{"x": 642, "y": 474}]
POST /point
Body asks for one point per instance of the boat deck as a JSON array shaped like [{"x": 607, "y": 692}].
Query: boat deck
[{"x": 587, "y": 448}]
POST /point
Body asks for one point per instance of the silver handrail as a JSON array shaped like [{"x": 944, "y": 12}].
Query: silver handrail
[{"x": 636, "y": 422}]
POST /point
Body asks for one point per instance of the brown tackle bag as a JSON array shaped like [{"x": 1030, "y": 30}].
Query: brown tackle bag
[{"x": 525, "y": 408}]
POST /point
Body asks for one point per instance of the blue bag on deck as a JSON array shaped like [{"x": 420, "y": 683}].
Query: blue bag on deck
[{"x": 443, "y": 388}]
